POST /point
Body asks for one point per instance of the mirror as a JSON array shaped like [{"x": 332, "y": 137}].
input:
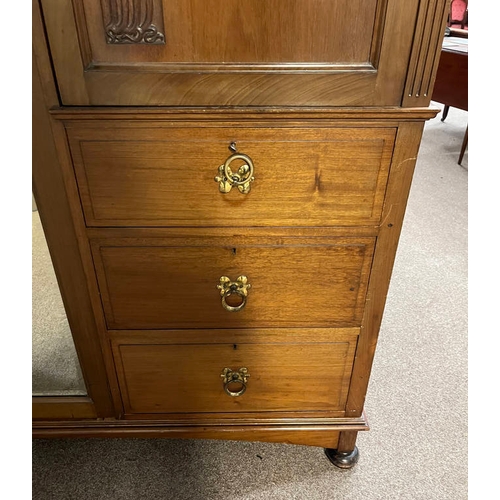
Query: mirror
[{"x": 55, "y": 366}]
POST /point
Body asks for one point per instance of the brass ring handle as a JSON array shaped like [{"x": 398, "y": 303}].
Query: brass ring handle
[
  {"x": 245, "y": 176},
  {"x": 239, "y": 287},
  {"x": 229, "y": 308},
  {"x": 239, "y": 377},
  {"x": 241, "y": 179}
]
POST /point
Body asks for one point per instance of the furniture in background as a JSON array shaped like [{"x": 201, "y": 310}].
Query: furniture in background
[
  {"x": 451, "y": 86},
  {"x": 459, "y": 14},
  {"x": 223, "y": 193}
]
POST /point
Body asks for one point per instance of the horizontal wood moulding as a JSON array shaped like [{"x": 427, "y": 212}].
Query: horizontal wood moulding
[
  {"x": 321, "y": 436},
  {"x": 313, "y": 432},
  {"x": 234, "y": 336},
  {"x": 242, "y": 418},
  {"x": 250, "y": 113},
  {"x": 141, "y": 233},
  {"x": 231, "y": 68},
  {"x": 196, "y": 420},
  {"x": 307, "y": 436}
]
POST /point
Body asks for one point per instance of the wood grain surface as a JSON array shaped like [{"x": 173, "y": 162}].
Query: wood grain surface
[
  {"x": 274, "y": 31},
  {"x": 277, "y": 53},
  {"x": 186, "y": 378},
  {"x": 172, "y": 283},
  {"x": 314, "y": 93},
  {"x": 164, "y": 176},
  {"x": 60, "y": 230},
  {"x": 309, "y": 435}
]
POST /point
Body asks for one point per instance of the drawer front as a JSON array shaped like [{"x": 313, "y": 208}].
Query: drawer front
[
  {"x": 130, "y": 175},
  {"x": 155, "y": 283},
  {"x": 228, "y": 378}
]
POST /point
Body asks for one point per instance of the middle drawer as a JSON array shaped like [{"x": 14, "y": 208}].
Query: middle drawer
[{"x": 232, "y": 282}]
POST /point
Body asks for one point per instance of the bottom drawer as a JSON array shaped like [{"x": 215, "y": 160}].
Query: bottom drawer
[{"x": 234, "y": 377}]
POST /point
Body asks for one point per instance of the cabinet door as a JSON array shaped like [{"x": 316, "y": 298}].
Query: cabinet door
[{"x": 233, "y": 52}]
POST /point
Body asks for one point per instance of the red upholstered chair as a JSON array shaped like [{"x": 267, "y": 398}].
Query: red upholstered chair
[{"x": 459, "y": 14}]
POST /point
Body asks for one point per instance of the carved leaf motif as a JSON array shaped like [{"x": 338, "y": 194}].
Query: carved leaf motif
[{"x": 133, "y": 21}]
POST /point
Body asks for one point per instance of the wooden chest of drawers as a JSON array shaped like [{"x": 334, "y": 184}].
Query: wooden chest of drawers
[{"x": 236, "y": 242}]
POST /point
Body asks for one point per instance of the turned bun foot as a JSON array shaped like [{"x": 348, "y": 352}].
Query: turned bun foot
[{"x": 343, "y": 459}]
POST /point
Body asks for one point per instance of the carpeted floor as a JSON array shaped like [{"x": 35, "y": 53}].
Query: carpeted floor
[{"x": 416, "y": 404}]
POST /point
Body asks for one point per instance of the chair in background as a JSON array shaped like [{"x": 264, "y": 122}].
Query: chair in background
[
  {"x": 459, "y": 14},
  {"x": 451, "y": 87}
]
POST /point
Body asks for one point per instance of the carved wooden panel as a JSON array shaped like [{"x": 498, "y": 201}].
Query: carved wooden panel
[
  {"x": 133, "y": 21},
  {"x": 222, "y": 32}
]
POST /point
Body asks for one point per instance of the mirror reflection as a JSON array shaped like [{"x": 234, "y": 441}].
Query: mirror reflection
[{"x": 55, "y": 366}]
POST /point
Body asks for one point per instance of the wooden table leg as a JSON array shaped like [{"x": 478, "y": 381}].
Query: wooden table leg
[
  {"x": 464, "y": 145},
  {"x": 445, "y": 112}
]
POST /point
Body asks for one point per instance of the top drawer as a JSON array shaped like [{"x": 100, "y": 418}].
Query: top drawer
[{"x": 137, "y": 174}]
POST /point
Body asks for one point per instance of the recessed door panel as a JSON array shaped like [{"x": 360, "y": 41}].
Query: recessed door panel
[{"x": 214, "y": 52}]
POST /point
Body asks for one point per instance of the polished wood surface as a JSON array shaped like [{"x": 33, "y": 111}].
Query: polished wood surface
[
  {"x": 291, "y": 117},
  {"x": 258, "y": 337},
  {"x": 429, "y": 32},
  {"x": 60, "y": 230},
  {"x": 186, "y": 378},
  {"x": 349, "y": 52},
  {"x": 323, "y": 432},
  {"x": 309, "y": 435},
  {"x": 121, "y": 234},
  {"x": 347, "y": 441},
  {"x": 62, "y": 408},
  {"x": 452, "y": 79},
  {"x": 148, "y": 101},
  {"x": 234, "y": 335},
  {"x": 154, "y": 176},
  {"x": 274, "y": 31},
  {"x": 172, "y": 283}
]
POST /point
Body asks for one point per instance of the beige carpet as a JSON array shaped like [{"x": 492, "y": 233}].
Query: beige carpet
[{"x": 417, "y": 399}]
